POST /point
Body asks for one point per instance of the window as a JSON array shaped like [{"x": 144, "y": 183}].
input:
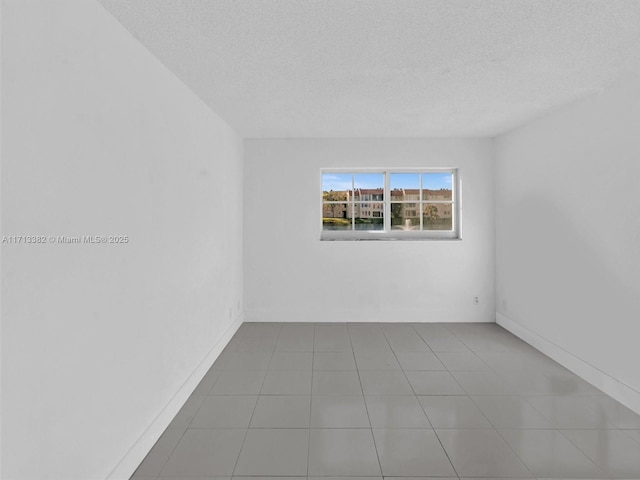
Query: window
[{"x": 409, "y": 204}]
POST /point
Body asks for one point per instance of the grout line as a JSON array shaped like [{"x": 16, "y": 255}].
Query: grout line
[
  {"x": 313, "y": 357},
  {"x": 481, "y": 412},
  {"x": 246, "y": 433},
  {"x": 417, "y": 400},
  {"x": 183, "y": 384},
  {"x": 425, "y": 342},
  {"x": 497, "y": 373},
  {"x": 377, "y": 329},
  {"x": 164, "y": 464},
  {"x": 449, "y": 371},
  {"x": 364, "y": 399}
]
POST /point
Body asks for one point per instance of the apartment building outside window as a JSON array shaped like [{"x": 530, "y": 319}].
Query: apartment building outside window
[{"x": 390, "y": 204}]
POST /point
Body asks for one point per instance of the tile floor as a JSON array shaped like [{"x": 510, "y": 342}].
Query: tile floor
[{"x": 392, "y": 400}]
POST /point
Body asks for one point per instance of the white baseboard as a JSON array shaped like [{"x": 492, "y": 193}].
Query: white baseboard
[
  {"x": 599, "y": 379},
  {"x": 127, "y": 466},
  {"x": 379, "y": 316}
]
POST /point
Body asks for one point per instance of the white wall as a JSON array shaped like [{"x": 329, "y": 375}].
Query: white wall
[
  {"x": 568, "y": 236},
  {"x": 100, "y": 139},
  {"x": 290, "y": 275}
]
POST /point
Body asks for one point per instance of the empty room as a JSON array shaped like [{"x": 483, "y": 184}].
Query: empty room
[{"x": 320, "y": 239}]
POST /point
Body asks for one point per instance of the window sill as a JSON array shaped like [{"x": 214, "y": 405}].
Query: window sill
[{"x": 385, "y": 237}]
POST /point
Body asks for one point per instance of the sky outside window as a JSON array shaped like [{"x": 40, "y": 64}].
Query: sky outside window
[
  {"x": 436, "y": 181},
  {"x": 336, "y": 182},
  {"x": 343, "y": 181},
  {"x": 405, "y": 181},
  {"x": 369, "y": 180}
]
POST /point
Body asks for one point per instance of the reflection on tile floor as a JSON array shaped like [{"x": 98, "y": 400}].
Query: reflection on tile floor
[{"x": 399, "y": 401}]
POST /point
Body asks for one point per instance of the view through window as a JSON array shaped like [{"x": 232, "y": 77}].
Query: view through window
[{"x": 389, "y": 204}]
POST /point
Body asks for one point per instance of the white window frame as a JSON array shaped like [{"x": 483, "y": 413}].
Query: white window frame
[{"x": 387, "y": 233}]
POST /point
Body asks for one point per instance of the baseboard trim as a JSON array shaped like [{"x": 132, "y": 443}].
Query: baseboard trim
[
  {"x": 356, "y": 316},
  {"x": 128, "y": 464},
  {"x": 601, "y": 380}
]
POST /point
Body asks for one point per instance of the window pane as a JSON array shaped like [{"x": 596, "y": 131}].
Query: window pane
[
  {"x": 369, "y": 187},
  {"x": 335, "y": 216},
  {"x": 437, "y": 186},
  {"x": 437, "y": 216},
  {"x": 369, "y": 216},
  {"x": 404, "y": 216},
  {"x": 335, "y": 196},
  {"x": 335, "y": 210},
  {"x": 400, "y": 181},
  {"x": 335, "y": 186},
  {"x": 405, "y": 187}
]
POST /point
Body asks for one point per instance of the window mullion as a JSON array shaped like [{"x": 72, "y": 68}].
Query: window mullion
[
  {"x": 387, "y": 201},
  {"x": 420, "y": 204},
  {"x": 353, "y": 202}
]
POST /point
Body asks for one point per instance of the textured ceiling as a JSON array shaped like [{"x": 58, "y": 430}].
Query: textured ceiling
[{"x": 386, "y": 68}]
